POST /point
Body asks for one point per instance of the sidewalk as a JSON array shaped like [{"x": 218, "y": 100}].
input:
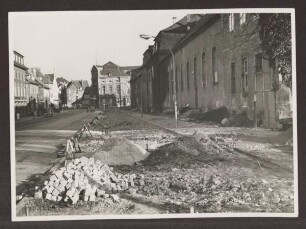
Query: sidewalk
[{"x": 189, "y": 127}]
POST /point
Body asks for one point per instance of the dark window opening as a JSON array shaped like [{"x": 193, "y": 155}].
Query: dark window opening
[
  {"x": 245, "y": 75},
  {"x": 176, "y": 81},
  {"x": 182, "y": 78},
  {"x": 187, "y": 71},
  {"x": 204, "y": 83},
  {"x": 258, "y": 62},
  {"x": 195, "y": 72},
  {"x": 214, "y": 65},
  {"x": 233, "y": 79}
]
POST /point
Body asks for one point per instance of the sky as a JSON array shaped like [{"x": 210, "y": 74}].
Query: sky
[{"x": 70, "y": 43}]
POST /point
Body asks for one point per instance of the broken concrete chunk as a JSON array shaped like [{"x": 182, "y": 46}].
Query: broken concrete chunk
[
  {"x": 54, "y": 198},
  {"x": 100, "y": 192},
  {"x": 115, "y": 198},
  {"x": 55, "y": 192},
  {"x": 92, "y": 198},
  {"x": 132, "y": 191},
  {"x": 49, "y": 196},
  {"x": 38, "y": 194},
  {"x": 50, "y": 189},
  {"x": 53, "y": 178},
  {"x": 75, "y": 198}
]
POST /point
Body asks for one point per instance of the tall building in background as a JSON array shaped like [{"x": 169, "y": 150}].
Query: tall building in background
[
  {"x": 20, "y": 85},
  {"x": 111, "y": 85}
]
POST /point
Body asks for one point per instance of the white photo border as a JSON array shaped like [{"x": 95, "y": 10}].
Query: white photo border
[{"x": 156, "y": 216}]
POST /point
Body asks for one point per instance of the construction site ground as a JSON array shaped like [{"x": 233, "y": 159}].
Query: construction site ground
[{"x": 195, "y": 167}]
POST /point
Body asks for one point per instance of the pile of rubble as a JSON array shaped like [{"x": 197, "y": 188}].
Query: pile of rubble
[{"x": 85, "y": 179}]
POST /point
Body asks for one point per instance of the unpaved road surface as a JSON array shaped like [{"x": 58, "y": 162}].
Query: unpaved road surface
[{"x": 199, "y": 166}]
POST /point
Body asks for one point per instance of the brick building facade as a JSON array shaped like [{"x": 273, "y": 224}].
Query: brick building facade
[{"x": 219, "y": 63}]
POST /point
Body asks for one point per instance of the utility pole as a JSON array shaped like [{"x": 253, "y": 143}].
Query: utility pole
[
  {"x": 146, "y": 37},
  {"x": 141, "y": 96}
]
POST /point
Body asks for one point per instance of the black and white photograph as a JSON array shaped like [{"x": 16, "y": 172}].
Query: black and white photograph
[{"x": 144, "y": 114}]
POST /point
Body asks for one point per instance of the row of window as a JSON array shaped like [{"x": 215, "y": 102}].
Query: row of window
[
  {"x": 20, "y": 76},
  {"x": 19, "y": 84},
  {"x": 20, "y": 89},
  {"x": 110, "y": 89},
  {"x": 231, "y": 20},
  {"x": 180, "y": 72},
  {"x": 127, "y": 100},
  {"x": 110, "y": 81},
  {"x": 19, "y": 59}
]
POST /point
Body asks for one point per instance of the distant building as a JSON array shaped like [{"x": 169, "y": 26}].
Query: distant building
[
  {"x": 50, "y": 81},
  {"x": 33, "y": 90},
  {"x": 61, "y": 82},
  {"x": 150, "y": 71},
  {"x": 20, "y": 85},
  {"x": 44, "y": 90},
  {"x": 111, "y": 85},
  {"x": 136, "y": 99},
  {"x": 75, "y": 90}
]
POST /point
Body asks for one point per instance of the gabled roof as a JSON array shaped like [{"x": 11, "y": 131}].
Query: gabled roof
[
  {"x": 32, "y": 81},
  {"x": 181, "y": 25},
  {"x": 111, "y": 69},
  {"x": 49, "y": 78},
  {"x": 77, "y": 83},
  {"x": 61, "y": 80},
  {"x": 42, "y": 84},
  {"x": 128, "y": 69},
  {"x": 84, "y": 84},
  {"x": 197, "y": 29},
  {"x": 202, "y": 24}
]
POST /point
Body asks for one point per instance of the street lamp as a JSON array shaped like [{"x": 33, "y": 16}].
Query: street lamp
[{"x": 146, "y": 37}]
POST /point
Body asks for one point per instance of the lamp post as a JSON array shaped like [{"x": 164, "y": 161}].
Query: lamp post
[{"x": 146, "y": 37}]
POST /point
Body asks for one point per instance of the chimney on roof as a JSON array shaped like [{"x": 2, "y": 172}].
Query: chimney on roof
[{"x": 188, "y": 22}]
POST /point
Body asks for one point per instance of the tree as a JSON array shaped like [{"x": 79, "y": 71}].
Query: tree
[
  {"x": 63, "y": 95},
  {"x": 275, "y": 35}
]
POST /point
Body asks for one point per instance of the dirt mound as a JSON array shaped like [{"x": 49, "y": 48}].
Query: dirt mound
[
  {"x": 119, "y": 151},
  {"x": 215, "y": 116},
  {"x": 240, "y": 120},
  {"x": 284, "y": 138},
  {"x": 185, "y": 153}
]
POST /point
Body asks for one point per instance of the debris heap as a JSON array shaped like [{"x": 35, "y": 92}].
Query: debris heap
[{"x": 85, "y": 179}]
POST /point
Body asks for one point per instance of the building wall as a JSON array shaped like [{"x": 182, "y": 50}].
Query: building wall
[
  {"x": 230, "y": 47},
  {"x": 33, "y": 91},
  {"x": 20, "y": 85},
  {"x": 54, "y": 92},
  {"x": 117, "y": 86},
  {"x": 71, "y": 95}
]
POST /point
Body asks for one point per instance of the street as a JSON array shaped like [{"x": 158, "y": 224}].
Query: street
[{"x": 37, "y": 141}]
